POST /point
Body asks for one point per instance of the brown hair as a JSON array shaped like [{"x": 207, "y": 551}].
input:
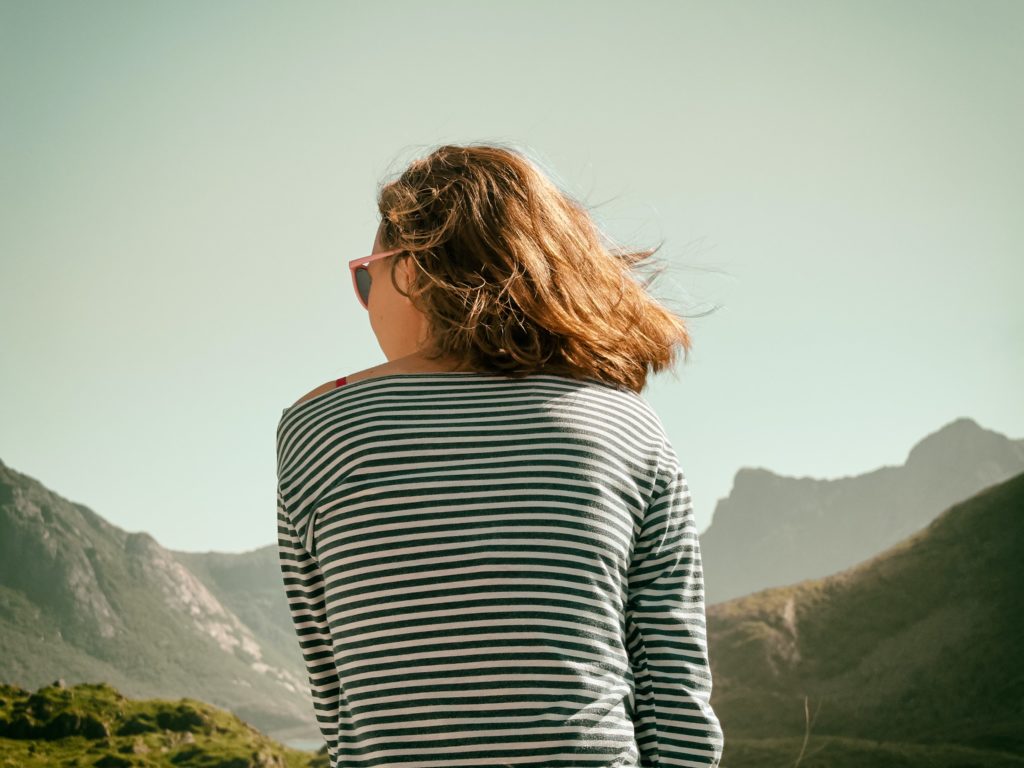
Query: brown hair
[{"x": 514, "y": 275}]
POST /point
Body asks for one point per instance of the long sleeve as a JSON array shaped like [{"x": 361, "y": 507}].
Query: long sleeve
[
  {"x": 304, "y": 590},
  {"x": 666, "y": 635}
]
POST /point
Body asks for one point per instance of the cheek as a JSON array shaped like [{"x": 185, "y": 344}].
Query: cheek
[
  {"x": 372, "y": 315},
  {"x": 386, "y": 306},
  {"x": 382, "y": 297},
  {"x": 378, "y": 316},
  {"x": 393, "y": 315}
]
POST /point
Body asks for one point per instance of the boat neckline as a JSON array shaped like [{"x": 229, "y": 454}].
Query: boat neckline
[{"x": 292, "y": 408}]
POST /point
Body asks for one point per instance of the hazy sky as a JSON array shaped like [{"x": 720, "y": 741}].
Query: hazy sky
[{"x": 183, "y": 184}]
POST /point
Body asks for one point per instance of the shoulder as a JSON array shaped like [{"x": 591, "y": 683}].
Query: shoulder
[
  {"x": 327, "y": 386},
  {"x": 376, "y": 370},
  {"x": 366, "y": 373}
]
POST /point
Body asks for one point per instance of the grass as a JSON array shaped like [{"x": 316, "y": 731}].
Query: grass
[{"x": 94, "y": 725}]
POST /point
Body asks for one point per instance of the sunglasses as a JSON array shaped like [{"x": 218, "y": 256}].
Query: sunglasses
[{"x": 361, "y": 275}]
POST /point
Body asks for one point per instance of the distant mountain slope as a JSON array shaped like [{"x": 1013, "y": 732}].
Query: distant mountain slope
[
  {"x": 86, "y": 601},
  {"x": 772, "y": 530},
  {"x": 249, "y": 584},
  {"x": 921, "y": 644}
]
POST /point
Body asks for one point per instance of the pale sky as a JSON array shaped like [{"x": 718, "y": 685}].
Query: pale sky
[{"x": 839, "y": 188}]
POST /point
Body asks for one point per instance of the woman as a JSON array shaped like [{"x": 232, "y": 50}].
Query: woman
[{"x": 487, "y": 542}]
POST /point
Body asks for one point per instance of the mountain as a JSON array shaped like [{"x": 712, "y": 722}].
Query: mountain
[
  {"x": 772, "y": 530},
  {"x": 89, "y": 602},
  {"x": 249, "y": 585},
  {"x": 914, "y": 654}
]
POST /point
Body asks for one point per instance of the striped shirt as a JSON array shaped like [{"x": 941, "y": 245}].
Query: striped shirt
[{"x": 488, "y": 571}]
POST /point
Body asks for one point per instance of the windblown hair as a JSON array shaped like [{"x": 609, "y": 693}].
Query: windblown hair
[{"x": 514, "y": 275}]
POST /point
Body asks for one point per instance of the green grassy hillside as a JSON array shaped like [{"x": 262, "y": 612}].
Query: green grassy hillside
[{"x": 94, "y": 725}]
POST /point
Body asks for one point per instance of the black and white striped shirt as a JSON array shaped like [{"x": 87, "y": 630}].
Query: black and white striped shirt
[{"x": 488, "y": 571}]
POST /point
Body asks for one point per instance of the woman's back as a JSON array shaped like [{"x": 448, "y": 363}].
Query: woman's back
[{"x": 485, "y": 570}]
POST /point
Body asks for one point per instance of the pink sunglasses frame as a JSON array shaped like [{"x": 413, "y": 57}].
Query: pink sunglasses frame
[{"x": 362, "y": 262}]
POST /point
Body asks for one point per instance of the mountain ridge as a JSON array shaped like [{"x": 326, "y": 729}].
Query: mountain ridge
[
  {"x": 774, "y": 529},
  {"x": 919, "y": 643}
]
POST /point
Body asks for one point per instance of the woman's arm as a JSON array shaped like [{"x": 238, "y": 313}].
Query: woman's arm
[
  {"x": 667, "y": 636},
  {"x": 304, "y": 590}
]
